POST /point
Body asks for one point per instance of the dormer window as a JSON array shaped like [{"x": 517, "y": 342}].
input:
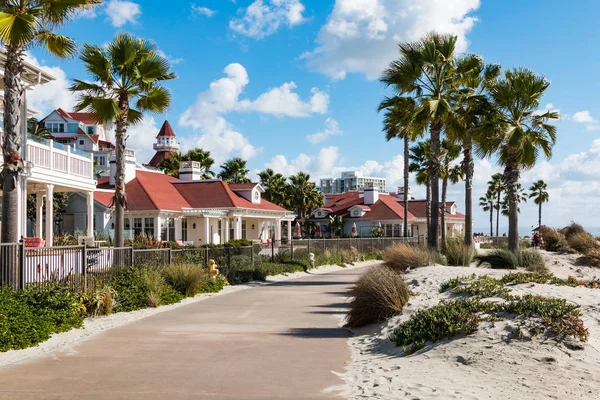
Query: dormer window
[{"x": 256, "y": 197}]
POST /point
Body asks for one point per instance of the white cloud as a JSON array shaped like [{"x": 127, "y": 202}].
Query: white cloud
[
  {"x": 218, "y": 135},
  {"x": 361, "y": 36},
  {"x": 198, "y": 10},
  {"x": 90, "y": 12},
  {"x": 317, "y": 166},
  {"x": 331, "y": 128},
  {"x": 172, "y": 61},
  {"x": 121, "y": 12},
  {"x": 584, "y": 117},
  {"x": 264, "y": 17},
  {"x": 52, "y": 95}
]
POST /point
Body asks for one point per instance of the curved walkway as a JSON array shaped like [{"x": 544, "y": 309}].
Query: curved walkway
[{"x": 279, "y": 341}]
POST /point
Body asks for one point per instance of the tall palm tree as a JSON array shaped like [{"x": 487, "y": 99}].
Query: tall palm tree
[
  {"x": 496, "y": 186},
  {"x": 538, "y": 192},
  {"x": 305, "y": 195},
  {"x": 419, "y": 164},
  {"x": 449, "y": 173},
  {"x": 127, "y": 73},
  {"x": 275, "y": 186},
  {"x": 522, "y": 133},
  {"x": 171, "y": 165},
  {"x": 472, "y": 107},
  {"x": 399, "y": 123},
  {"x": 487, "y": 202},
  {"x": 521, "y": 198},
  {"x": 235, "y": 171},
  {"x": 25, "y": 24},
  {"x": 426, "y": 70}
]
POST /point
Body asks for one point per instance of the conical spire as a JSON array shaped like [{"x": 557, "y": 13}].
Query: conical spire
[{"x": 166, "y": 130}]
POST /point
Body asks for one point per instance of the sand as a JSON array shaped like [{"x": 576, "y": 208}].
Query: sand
[
  {"x": 95, "y": 326},
  {"x": 488, "y": 364}
]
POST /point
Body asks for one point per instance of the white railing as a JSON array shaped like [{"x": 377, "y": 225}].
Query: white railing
[{"x": 55, "y": 157}]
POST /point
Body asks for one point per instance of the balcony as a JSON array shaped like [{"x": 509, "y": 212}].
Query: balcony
[
  {"x": 60, "y": 165},
  {"x": 166, "y": 146}
]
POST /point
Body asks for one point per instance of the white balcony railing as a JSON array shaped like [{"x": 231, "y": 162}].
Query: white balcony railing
[{"x": 49, "y": 155}]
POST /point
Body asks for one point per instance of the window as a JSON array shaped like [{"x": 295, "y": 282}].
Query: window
[
  {"x": 64, "y": 141},
  {"x": 138, "y": 226},
  {"x": 243, "y": 229},
  {"x": 127, "y": 224},
  {"x": 397, "y": 229},
  {"x": 81, "y": 142},
  {"x": 388, "y": 229},
  {"x": 90, "y": 130},
  {"x": 231, "y": 229},
  {"x": 168, "y": 229},
  {"x": 149, "y": 227},
  {"x": 184, "y": 227},
  {"x": 55, "y": 127}
]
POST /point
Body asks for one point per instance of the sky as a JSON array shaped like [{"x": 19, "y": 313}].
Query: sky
[{"x": 293, "y": 84}]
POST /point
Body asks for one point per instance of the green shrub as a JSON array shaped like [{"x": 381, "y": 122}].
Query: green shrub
[
  {"x": 498, "y": 259},
  {"x": 515, "y": 278},
  {"x": 131, "y": 288},
  {"x": 239, "y": 243},
  {"x": 187, "y": 279},
  {"x": 457, "y": 253},
  {"x": 482, "y": 287},
  {"x": 31, "y": 316},
  {"x": 573, "y": 229},
  {"x": 401, "y": 257},
  {"x": 100, "y": 301},
  {"x": 378, "y": 294},
  {"x": 532, "y": 261},
  {"x": 554, "y": 240},
  {"x": 583, "y": 242}
]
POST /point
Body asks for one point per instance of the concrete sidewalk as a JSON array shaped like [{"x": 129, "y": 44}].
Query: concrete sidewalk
[{"x": 279, "y": 341}]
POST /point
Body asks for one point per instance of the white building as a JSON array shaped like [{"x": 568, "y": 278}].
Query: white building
[{"x": 350, "y": 181}]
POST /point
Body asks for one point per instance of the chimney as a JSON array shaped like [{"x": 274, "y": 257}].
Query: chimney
[
  {"x": 371, "y": 195},
  {"x": 401, "y": 193},
  {"x": 129, "y": 166},
  {"x": 190, "y": 171}
]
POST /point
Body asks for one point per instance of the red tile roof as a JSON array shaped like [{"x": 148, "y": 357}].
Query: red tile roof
[
  {"x": 388, "y": 207},
  {"x": 242, "y": 186},
  {"x": 104, "y": 143},
  {"x": 419, "y": 209},
  {"x": 166, "y": 130},
  {"x": 159, "y": 156},
  {"x": 86, "y": 118},
  {"x": 153, "y": 191},
  {"x": 104, "y": 198},
  {"x": 218, "y": 194}
]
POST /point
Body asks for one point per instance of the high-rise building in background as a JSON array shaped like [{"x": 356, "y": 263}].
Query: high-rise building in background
[{"x": 350, "y": 181}]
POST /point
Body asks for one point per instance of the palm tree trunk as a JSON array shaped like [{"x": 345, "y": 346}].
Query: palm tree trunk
[
  {"x": 443, "y": 208},
  {"x": 540, "y": 215},
  {"x": 434, "y": 181},
  {"x": 428, "y": 204},
  {"x": 14, "y": 95},
  {"x": 491, "y": 219},
  {"x": 119, "y": 200},
  {"x": 511, "y": 177},
  {"x": 406, "y": 179},
  {"x": 468, "y": 170},
  {"x": 498, "y": 213}
]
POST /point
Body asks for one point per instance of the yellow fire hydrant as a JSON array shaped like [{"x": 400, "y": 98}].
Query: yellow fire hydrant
[{"x": 213, "y": 269}]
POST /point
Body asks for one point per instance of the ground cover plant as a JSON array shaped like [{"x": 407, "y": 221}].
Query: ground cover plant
[{"x": 379, "y": 293}]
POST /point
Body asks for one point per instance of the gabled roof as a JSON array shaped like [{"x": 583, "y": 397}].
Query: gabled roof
[
  {"x": 242, "y": 186},
  {"x": 218, "y": 194},
  {"x": 104, "y": 198},
  {"x": 419, "y": 209},
  {"x": 86, "y": 118},
  {"x": 166, "y": 130},
  {"x": 387, "y": 208}
]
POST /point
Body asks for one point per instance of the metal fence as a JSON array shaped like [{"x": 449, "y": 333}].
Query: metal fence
[{"x": 82, "y": 267}]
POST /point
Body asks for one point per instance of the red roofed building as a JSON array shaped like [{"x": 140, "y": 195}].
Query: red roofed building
[
  {"x": 188, "y": 210},
  {"x": 369, "y": 208},
  {"x": 166, "y": 145}
]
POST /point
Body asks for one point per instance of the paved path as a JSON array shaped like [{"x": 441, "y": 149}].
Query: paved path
[{"x": 279, "y": 341}]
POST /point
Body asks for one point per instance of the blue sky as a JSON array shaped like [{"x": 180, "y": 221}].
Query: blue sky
[{"x": 291, "y": 84}]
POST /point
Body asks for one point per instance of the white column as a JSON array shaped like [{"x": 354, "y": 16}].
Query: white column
[
  {"x": 289, "y": 230},
  {"x": 49, "y": 214},
  {"x": 278, "y": 231},
  {"x": 238, "y": 228},
  {"x": 89, "y": 198},
  {"x": 206, "y": 239},
  {"x": 177, "y": 228},
  {"x": 39, "y": 215},
  {"x": 226, "y": 228},
  {"x": 157, "y": 229}
]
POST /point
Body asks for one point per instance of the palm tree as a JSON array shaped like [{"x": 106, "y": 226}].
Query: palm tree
[
  {"x": 487, "y": 203},
  {"x": 426, "y": 70},
  {"x": 419, "y": 163},
  {"x": 399, "y": 123},
  {"x": 127, "y": 73},
  {"x": 449, "y": 173},
  {"x": 521, "y": 198},
  {"x": 35, "y": 129},
  {"x": 235, "y": 171},
  {"x": 538, "y": 192},
  {"x": 275, "y": 186},
  {"x": 522, "y": 132},
  {"x": 25, "y": 24},
  {"x": 472, "y": 108},
  {"x": 171, "y": 165},
  {"x": 304, "y": 194},
  {"x": 496, "y": 185}
]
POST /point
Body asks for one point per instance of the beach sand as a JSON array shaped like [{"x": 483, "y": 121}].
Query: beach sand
[{"x": 488, "y": 364}]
